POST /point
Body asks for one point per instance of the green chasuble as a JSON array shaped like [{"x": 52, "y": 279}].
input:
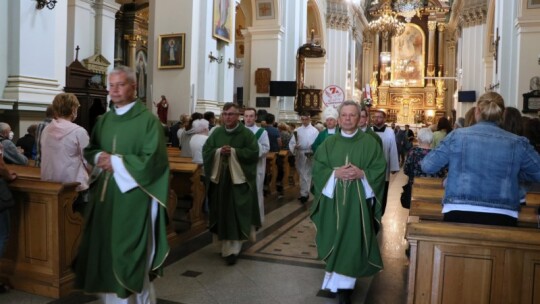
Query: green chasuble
[
  {"x": 346, "y": 238},
  {"x": 320, "y": 138},
  {"x": 113, "y": 251},
  {"x": 234, "y": 208},
  {"x": 372, "y": 133}
]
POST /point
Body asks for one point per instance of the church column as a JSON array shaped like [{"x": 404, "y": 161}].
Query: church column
[
  {"x": 105, "y": 28},
  {"x": 36, "y": 54},
  {"x": 339, "y": 42},
  {"x": 81, "y": 14},
  {"x": 265, "y": 53},
  {"x": 451, "y": 96},
  {"x": 432, "y": 26},
  {"x": 441, "y": 27},
  {"x": 132, "y": 40}
]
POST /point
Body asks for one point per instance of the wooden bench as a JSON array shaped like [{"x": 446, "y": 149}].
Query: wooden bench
[
  {"x": 427, "y": 195},
  {"x": 186, "y": 181},
  {"x": 271, "y": 170},
  {"x": 27, "y": 172},
  {"x": 469, "y": 263},
  {"x": 44, "y": 237}
]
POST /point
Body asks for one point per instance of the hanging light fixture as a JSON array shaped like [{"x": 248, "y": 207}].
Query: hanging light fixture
[
  {"x": 408, "y": 8},
  {"x": 387, "y": 24},
  {"x": 50, "y": 4}
]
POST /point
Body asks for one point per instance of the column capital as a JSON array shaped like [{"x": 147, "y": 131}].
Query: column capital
[
  {"x": 432, "y": 26},
  {"x": 337, "y": 16},
  {"x": 441, "y": 27}
]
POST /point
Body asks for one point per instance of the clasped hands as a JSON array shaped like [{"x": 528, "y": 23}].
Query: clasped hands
[
  {"x": 349, "y": 172},
  {"x": 225, "y": 150},
  {"x": 104, "y": 162}
]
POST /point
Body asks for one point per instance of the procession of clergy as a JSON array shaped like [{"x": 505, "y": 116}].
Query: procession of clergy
[{"x": 124, "y": 162}]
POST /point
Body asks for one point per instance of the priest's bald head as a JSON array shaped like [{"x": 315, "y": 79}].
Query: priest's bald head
[{"x": 122, "y": 86}]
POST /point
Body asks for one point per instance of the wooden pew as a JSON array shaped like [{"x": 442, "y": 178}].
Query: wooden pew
[
  {"x": 271, "y": 169},
  {"x": 427, "y": 195},
  {"x": 44, "y": 237},
  {"x": 27, "y": 172},
  {"x": 469, "y": 263},
  {"x": 186, "y": 180}
]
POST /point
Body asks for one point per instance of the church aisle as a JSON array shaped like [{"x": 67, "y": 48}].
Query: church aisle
[{"x": 281, "y": 267}]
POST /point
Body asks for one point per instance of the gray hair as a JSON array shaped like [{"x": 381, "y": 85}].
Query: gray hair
[
  {"x": 4, "y": 127},
  {"x": 130, "y": 74},
  {"x": 200, "y": 125},
  {"x": 425, "y": 135},
  {"x": 350, "y": 103}
]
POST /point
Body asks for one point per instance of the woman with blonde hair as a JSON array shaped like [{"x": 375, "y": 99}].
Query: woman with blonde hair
[
  {"x": 62, "y": 145},
  {"x": 486, "y": 164}
]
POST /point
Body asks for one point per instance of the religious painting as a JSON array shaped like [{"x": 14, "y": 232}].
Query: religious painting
[
  {"x": 171, "y": 51},
  {"x": 264, "y": 9},
  {"x": 408, "y": 57},
  {"x": 533, "y": 4},
  {"x": 222, "y": 20},
  {"x": 140, "y": 69}
]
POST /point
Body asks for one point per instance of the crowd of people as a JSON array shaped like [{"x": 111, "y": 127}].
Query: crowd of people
[{"x": 487, "y": 158}]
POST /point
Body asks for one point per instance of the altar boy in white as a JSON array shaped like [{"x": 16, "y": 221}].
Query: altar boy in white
[{"x": 250, "y": 116}]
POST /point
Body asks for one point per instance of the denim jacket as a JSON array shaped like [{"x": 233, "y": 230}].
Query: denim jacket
[{"x": 486, "y": 164}]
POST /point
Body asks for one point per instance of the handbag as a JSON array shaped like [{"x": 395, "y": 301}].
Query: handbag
[
  {"x": 406, "y": 196},
  {"x": 6, "y": 198}
]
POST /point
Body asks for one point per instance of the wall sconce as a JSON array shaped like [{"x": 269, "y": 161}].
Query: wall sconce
[
  {"x": 214, "y": 58},
  {"x": 237, "y": 64},
  {"x": 539, "y": 59},
  {"x": 45, "y": 3}
]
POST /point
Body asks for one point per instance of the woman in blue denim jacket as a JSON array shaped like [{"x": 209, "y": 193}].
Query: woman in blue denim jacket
[{"x": 486, "y": 164}]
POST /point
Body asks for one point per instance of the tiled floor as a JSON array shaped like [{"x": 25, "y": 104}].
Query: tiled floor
[{"x": 279, "y": 268}]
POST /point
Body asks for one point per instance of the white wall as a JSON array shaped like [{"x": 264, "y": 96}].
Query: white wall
[
  {"x": 3, "y": 42},
  {"x": 527, "y": 27},
  {"x": 168, "y": 17}
]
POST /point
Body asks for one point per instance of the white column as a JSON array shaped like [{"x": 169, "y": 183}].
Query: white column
[
  {"x": 265, "y": 53},
  {"x": 337, "y": 55},
  {"x": 105, "y": 26},
  {"x": 80, "y": 29},
  {"x": 35, "y": 72}
]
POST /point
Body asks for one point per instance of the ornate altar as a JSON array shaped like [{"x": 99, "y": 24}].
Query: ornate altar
[
  {"x": 89, "y": 85},
  {"x": 410, "y": 71}
]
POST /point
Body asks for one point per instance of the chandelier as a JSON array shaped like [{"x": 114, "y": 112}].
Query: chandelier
[
  {"x": 387, "y": 24},
  {"x": 408, "y": 8}
]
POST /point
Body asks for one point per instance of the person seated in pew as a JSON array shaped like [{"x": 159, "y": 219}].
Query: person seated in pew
[
  {"x": 62, "y": 147},
  {"x": 486, "y": 164},
  {"x": 11, "y": 154},
  {"x": 412, "y": 168},
  {"x": 200, "y": 129},
  {"x": 8, "y": 176},
  {"x": 185, "y": 150}
]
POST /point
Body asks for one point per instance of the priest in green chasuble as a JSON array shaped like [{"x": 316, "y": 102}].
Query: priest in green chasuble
[
  {"x": 124, "y": 241},
  {"x": 348, "y": 182},
  {"x": 231, "y": 154}
]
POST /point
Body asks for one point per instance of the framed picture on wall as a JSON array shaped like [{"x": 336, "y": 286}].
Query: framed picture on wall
[
  {"x": 171, "y": 51},
  {"x": 222, "y": 20},
  {"x": 265, "y": 9},
  {"x": 533, "y": 4}
]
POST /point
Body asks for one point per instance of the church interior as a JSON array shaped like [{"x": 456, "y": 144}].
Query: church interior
[{"x": 416, "y": 60}]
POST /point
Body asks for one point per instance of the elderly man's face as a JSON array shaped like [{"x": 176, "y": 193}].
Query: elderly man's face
[
  {"x": 348, "y": 118},
  {"x": 331, "y": 123},
  {"x": 122, "y": 92},
  {"x": 230, "y": 117}
]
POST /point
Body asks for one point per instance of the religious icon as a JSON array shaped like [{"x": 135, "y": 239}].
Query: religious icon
[{"x": 171, "y": 51}]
